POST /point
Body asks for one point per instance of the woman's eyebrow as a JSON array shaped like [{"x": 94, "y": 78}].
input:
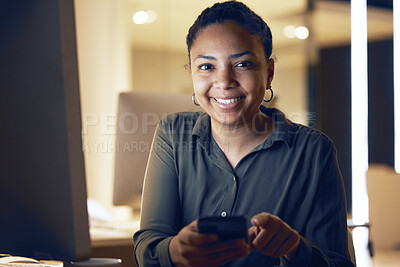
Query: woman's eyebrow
[
  {"x": 233, "y": 56},
  {"x": 238, "y": 55},
  {"x": 205, "y": 57}
]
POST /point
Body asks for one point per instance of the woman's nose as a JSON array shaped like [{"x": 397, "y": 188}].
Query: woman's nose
[{"x": 224, "y": 78}]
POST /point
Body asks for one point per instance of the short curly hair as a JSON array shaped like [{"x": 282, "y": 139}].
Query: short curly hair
[{"x": 237, "y": 12}]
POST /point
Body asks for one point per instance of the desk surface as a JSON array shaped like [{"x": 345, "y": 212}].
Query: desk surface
[{"x": 113, "y": 234}]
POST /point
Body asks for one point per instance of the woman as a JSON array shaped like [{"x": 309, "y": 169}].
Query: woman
[{"x": 239, "y": 158}]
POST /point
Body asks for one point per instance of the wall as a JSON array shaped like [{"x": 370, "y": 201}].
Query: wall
[
  {"x": 290, "y": 82},
  {"x": 160, "y": 71},
  {"x": 104, "y": 71}
]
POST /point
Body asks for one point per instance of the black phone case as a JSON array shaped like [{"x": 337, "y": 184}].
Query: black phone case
[{"x": 225, "y": 227}]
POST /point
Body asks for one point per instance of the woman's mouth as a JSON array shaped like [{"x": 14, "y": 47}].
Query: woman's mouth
[{"x": 228, "y": 101}]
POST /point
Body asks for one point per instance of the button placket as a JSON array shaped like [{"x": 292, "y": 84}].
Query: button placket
[{"x": 229, "y": 200}]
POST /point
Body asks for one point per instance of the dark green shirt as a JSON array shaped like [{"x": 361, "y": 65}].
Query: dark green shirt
[{"x": 293, "y": 174}]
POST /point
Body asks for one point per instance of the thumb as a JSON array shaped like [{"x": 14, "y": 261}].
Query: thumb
[{"x": 193, "y": 226}]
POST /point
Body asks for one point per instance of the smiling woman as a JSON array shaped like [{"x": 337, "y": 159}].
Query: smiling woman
[
  {"x": 230, "y": 75},
  {"x": 239, "y": 158}
]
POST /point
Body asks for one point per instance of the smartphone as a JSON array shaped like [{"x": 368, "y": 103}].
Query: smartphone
[{"x": 224, "y": 227}]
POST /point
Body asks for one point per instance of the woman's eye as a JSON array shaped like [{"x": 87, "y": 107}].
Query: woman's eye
[
  {"x": 244, "y": 64},
  {"x": 206, "y": 67}
]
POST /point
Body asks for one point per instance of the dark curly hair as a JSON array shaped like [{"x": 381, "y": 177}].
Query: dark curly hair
[{"x": 237, "y": 12}]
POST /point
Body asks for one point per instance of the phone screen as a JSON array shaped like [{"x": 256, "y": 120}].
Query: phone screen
[{"x": 225, "y": 227}]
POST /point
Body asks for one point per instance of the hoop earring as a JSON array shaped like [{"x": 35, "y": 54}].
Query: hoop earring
[
  {"x": 272, "y": 95},
  {"x": 194, "y": 100}
]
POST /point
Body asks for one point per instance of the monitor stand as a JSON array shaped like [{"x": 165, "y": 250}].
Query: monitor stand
[{"x": 95, "y": 262}]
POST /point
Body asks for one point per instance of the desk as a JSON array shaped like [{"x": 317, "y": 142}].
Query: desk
[{"x": 114, "y": 241}]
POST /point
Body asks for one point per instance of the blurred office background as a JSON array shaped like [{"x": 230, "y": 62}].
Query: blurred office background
[{"x": 312, "y": 81}]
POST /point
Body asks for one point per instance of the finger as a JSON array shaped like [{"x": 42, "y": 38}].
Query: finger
[
  {"x": 229, "y": 255},
  {"x": 193, "y": 226},
  {"x": 262, "y": 239},
  {"x": 254, "y": 230},
  {"x": 196, "y": 239},
  {"x": 189, "y": 235},
  {"x": 276, "y": 243},
  {"x": 283, "y": 242},
  {"x": 220, "y": 247},
  {"x": 272, "y": 227},
  {"x": 261, "y": 219},
  {"x": 220, "y": 257},
  {"x": 252, "y": 233},
  {"x": 204, "y": 251},
  {"x": 214, "y": 256},
  {"x": 288, "y": 246}
]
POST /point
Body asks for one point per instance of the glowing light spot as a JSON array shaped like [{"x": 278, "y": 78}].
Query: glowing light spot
[
  {"x": 301, "y": 32},
  {"x": 289, "y": 31},
  {"x": 140, "y": 17}
]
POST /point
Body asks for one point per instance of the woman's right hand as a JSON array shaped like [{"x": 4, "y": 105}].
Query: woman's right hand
[{"x": 190, "y": 248}]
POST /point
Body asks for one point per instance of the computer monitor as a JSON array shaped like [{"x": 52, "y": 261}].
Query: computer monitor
[
  {"x": 43, "y": 212},
  {"x": 138, "y": 116}
]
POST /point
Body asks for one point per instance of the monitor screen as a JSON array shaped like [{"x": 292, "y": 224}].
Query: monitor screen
[
  {"x": 42, "y": 179},
  {"x": 138, "y": 116}
]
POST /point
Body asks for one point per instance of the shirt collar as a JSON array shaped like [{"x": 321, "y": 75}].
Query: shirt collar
[
  {"x": 202, "y": 129},
  {"x": 284, "y": 129}
]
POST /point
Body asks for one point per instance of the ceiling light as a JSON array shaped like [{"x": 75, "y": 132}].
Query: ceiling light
[
  {"x": 152, "y": 16},
  {"x": 289, "y": 31},
  {"x": 142, "y": 17},
  {"x": 301, "y": 32},
  {"x": 292, "y": 32}
]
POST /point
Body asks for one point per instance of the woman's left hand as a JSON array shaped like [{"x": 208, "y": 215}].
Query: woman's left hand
[{"x": 272, "y": 236}]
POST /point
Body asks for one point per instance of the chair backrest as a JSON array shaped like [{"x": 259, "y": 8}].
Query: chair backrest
[{"x": 383, "y": 186}]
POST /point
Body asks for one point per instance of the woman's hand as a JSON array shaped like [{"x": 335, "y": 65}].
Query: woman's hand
[
  {"x": 190, "y": 248},
  {"x": 272, "y": 236}
]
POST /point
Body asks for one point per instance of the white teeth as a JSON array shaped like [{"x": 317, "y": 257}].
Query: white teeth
[{"x": 228, "y": 101}]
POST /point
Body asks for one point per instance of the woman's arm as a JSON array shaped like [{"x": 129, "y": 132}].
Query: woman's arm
[
  {"x": 324, "y": 241},
  {"x": 159, "y": 220}
]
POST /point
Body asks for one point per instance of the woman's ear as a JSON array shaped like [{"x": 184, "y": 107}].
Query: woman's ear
[
  {"x": 187, "y": 67},
  {"x": 270, "y": 71}
]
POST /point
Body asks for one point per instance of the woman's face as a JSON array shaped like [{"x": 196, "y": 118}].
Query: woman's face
[{"x": 230, "y": 73}]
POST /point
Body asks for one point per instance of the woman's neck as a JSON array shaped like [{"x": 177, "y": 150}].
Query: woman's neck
[{"x": 236, "y": 141}]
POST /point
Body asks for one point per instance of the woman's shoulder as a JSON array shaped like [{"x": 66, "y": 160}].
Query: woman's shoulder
[
  {"x": 313, "y": 137},
  {"x": 296, "y": 133}
]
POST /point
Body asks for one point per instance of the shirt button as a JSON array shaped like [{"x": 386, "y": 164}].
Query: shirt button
[{"x": 223, "y": 214}]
